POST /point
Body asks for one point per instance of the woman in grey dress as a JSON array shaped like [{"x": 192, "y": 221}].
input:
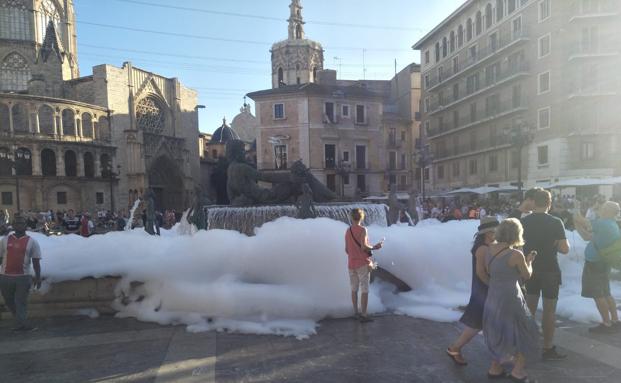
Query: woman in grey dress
[{"x": 510, "y": 330}]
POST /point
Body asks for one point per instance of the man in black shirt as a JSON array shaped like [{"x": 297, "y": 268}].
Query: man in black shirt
[
  {"x": 71, "y": 223},
  {"x": 526, "y": 206},
  {"x": 545, "y": 234}
]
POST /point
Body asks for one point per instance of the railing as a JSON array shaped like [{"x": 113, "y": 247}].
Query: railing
[
  {"x": 464, "y": 92},
  {"x": 601, "y": 48},
  {"x": 482, "y": 54},
  {"x": 500, "y": 109}
]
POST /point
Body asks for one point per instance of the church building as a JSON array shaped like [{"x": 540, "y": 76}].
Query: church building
[{"x": 86, "y": 142}]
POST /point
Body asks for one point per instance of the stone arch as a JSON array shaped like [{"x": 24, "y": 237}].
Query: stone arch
[
  {"x": 46, "y": 119},
  {"x": 103, "y": 129},
  {"x": 14, "y": 73},
  {"x": 48, "y": 162},
  {"x": 4, "y": 118},
  {"x": 68, "y": 117},
  {"x": 6, "y": 168},
  {"x": 460, "y": 36},
  {"x": 87, "y": 125},
  {"x": 105, "y": 163},
  {"x": 298, "y": 32},
  {"x": 151, "y": 115},
  {"x": 71, "y": 164},
  {"x": 21, "y": 121},
  {"x": 23, "y": 162},
  {"x": 488, "y": 16},
  {"x": 89, "y": 165},
  {"x": 314, "y": 74},
  {"x": 479, "y": 23},
  {"x": 281, "y": 75},
  {"x": 444, "y": 46},
  {"x": 166, "y": 180},
  {"x": 469, "y": 30}
]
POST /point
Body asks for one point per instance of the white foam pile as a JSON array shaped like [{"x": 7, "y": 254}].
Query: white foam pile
[{"x": 286, "y": 278}]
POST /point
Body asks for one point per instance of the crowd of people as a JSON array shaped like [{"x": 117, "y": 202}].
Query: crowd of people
[{"x": 514, "y": 267}]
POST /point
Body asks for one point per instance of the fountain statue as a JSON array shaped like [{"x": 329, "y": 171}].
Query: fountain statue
[
  {"x": 305, "y": 204},
  {"x": 242, "y": 179},
  {"x": 196, "y": 215}
]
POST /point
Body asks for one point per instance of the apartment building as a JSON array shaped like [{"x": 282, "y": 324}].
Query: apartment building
[{"x": 543, "y": 68}]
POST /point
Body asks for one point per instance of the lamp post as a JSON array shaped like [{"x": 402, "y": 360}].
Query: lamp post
[
  {"x": 423, "y": 158},
  {"x": 112, "y": 176},
  {"x": 15, "y": 161},
  {"x": 343, "y": 169},
  {"x": 520, "y": 135}
]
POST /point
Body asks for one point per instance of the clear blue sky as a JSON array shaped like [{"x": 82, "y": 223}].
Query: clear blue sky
[{"x": 224, "y": 71}]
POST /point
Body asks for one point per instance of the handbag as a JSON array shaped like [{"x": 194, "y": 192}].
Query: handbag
[
  {"x": 368, "y": 251},
  {"x": 611, "y": 254}
]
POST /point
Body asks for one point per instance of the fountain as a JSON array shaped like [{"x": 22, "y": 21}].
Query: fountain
[{"x": 130, "y": 221}]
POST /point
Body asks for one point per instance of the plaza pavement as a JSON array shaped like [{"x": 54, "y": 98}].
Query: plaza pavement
[{"x": 390, "y": 349}]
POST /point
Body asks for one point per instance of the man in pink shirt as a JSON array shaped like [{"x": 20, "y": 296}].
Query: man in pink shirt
[{"x": 359, "y": 263}]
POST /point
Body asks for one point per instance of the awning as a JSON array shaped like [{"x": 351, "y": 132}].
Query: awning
[
  {"x": 483, "y": 190},
  {"x": 576, "y": 182}
]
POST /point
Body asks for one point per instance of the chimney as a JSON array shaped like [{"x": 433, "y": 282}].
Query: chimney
[{"x": 326, "y": 77}]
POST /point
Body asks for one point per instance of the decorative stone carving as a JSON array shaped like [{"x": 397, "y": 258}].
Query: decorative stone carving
[{"x": 150, "y": 118}]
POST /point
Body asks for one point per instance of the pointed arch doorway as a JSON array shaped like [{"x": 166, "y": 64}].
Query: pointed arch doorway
[{"x": 166, "y": 180}]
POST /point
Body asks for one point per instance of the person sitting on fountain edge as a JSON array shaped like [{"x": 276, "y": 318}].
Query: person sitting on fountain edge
[
  {"x": 359, "y": 263},
  {"x": 17, "y": 252}
]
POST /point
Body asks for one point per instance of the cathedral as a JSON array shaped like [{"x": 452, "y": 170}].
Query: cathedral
[{"x": 86, "y": 142}]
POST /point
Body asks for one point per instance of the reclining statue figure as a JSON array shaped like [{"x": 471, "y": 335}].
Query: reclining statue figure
[{"x": 242, "y": 179}]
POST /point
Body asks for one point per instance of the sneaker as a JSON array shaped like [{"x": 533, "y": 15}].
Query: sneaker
[
  {"x": 603, "y": 329},
  {"x": 552, "y": 354}
]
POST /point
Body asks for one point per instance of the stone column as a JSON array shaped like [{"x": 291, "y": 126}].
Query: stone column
[
  {"x": 80, "y": 164},
  {"x": 30, "y": 122},
  {"x": 78, "y": 126},
  {"x": 36, "y": 122},
  {"x": 36, "y": 161},
  {"x": 11, "y": 128},
  {"x": 60, "y": 126},
  {"x": 55, "y": 122},
  {"x": 60, "y": 163},
  {"x": 94, "y": 125},
  {"x": 97, "y": 169}
]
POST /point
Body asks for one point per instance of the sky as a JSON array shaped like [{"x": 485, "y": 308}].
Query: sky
[{"x": 221, "y": 48}]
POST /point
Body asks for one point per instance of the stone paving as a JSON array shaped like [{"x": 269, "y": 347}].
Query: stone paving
[{"x": 390, "y": 349}]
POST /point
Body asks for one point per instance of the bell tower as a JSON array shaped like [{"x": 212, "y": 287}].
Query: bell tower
[{"x": 297, "y": 59}]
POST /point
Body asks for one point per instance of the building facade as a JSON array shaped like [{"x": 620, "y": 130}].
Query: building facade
[
  {"x": 497, "y": 73},
  {"x": 86, "y": 143},
  {"x": 355, "y": 136}
]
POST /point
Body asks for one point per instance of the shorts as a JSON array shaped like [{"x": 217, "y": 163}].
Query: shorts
[
  {"x": 596, "y": 280},
  {"x": 359, "y": 279},
  {"x": 546, "y": 283}
]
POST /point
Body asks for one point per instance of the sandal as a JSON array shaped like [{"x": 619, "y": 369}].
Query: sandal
[
  {"x": 457, "y": 357},
  {"x": 525, "y": 379},
  {"x": 502, "y": 375}
]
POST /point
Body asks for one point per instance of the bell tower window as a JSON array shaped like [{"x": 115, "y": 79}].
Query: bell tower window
[{"x": 281, "y": 76}]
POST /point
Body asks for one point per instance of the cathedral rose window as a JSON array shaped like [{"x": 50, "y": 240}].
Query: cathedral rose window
[{"x": 150, "y": 117}]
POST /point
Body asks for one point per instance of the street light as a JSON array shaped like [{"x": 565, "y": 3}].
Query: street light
[
  {"x": 423, "y": 158},
  {"x": 108, "y": 172},
  {"x": 520, "y": 135},
  {"x": 343, "y": 169}
]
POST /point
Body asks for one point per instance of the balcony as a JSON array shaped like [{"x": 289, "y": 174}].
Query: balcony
[
  {"x": 603, "y": 49},
  {"x": 505, "y": 76},
  {"x": 482, "y": 55},
  {"x": 477, "y": 147},
  {"x": 503, "y": 109}
]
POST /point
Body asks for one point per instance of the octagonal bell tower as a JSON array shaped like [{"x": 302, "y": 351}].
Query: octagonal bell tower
[{"x": 297, "y": 59}]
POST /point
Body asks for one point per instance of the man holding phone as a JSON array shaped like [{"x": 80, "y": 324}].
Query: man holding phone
[
  {"x": 544, "y": 237},
  {"x": 17, "y": 252}
]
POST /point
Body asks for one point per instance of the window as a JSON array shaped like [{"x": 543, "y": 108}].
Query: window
[
  {"x": 492, "y": 73},
  {"x": 279, "y": 111},
  {"x": 544, "y": 46},
  {"x": 331, "y": 182},
  {"x": 452, "y": 42},
  {"x": 544, "y": 82},
  {"x": 361, "y": 117},
  {"x": 281, "y": 76},
  {"x": 440, "y": 170},
  {"x": 469, "y": 30},
  {"x": 330, "y": 156},
  {"x": 517, "y": 27},
  {"x": 71, "y": 164},
  {"x": 473, "y": 141},
  {"x": 61, "y": 198},
  {"x": 48, "y": 13},
  {"x": 15, "y": 21},
  {"x": 500, "y": 10},
  {"x": 345, "y": 111},
  {"x": 473, "y": 112},
  {"x": 460, "y": 36},
  {"x": 402, "y": 163},
  {"x": 493, "y": 163},
  {"x": 473, "y": 53},
  {"x": 511, "y": 5},
  {"x": 515, "y": 159},
  {"x": 392, "y": 160},
  {"x": 589, "y": 40},
  {"x": 361, "y": 157},
  {"x": 472, "y": 83},
  {"x": 444, "y": 47},
  {"x": 441, "y": 73},
  {"x": 456, "y": 118},
  {"x": 426, "y": 57},
  {"x": 493, "y": 41},
  {"x": 426, "y": 174},
  {"x": 99, "y": 198},
  {"x": 455, "y": 91},
  {"x": 361, "y": 182},
  {"x": 479, "y": 23},
  {"x": 544, "y": 10},
  {"x": 280, "y": 157},
  {"x": 14, "y": 73},
  {"x": 345, "y": 179},
  {"x": 7, "y": 198},
  {"x": 437, "y": 52},
  {"x": 587, "y": 151},
  {"x": 455, "y": 64},
  {"x": 456, "y": 169},
  {"x": 516, "y": 100},
  {"x": 426, "y": 81},
  {"x": 346, "y": 156},
  {"x": 542, "y": 155},
  {"x": 488, "y": 16},
  {"x": 329, "y": 112},
  {"x": 473, "y": 167},
  {"x": 543, "y": 118},
  {"x": 403, "y": 181}
]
